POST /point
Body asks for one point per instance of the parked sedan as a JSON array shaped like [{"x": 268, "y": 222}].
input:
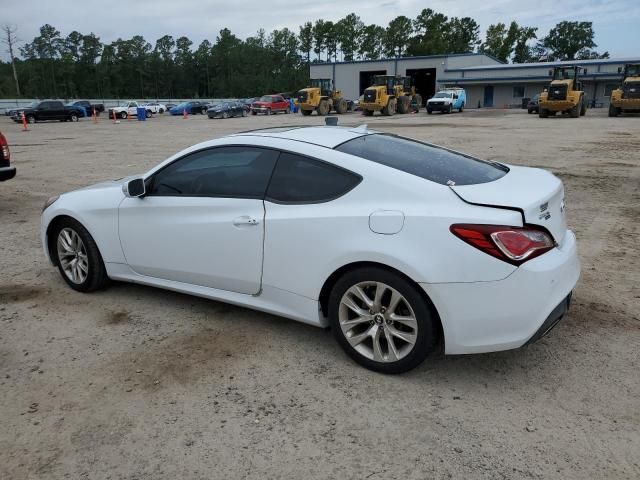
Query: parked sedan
[
  {"x": 396, "y": 244},
  {"x": 191, "y": 108},
  {"x": 532, "y": 105},
  {"x": 226, "y": 110}
]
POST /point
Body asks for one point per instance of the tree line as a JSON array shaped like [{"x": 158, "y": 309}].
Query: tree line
[{"x": 81, "y": 66}]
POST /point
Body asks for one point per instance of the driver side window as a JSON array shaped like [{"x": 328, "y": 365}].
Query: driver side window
[{"x": 236, "y": 172}]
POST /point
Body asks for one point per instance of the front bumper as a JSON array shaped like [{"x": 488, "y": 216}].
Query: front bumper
[
  {"x": 556, "y": 105},
  {"x": 438, "y": 108},
  {"x": 7, "y": 173},
  {"x": 500, "y": 315},
  {"x": 371, "y": 106}
]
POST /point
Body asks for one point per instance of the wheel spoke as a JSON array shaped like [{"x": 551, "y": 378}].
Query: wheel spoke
[
  {"x": 348, "y": 324},
  {"x": 380, "y": 289},
  {"x": 393, "y": 352},
  {"x": 377, "y": 348},
  {"x": 357, "y": 291},
  {"x": 352, "y": 306},
  {"x": 393, "y": 303},
  {"x": 407, "y": 337},
  {"x": 62, "y": 242},
  {"x": 409, "y": 321},
  {"x": 355, "y": 340}
]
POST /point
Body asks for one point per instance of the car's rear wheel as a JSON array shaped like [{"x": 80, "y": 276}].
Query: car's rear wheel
[
  {"x": 381, "y": 320},
  {"x": 225, "y": 115},
  {"x": 123, "y": 115},
  {"x": 31, "y": 119},
  {"x": 73, "y": 117},
  {"x": 78, "y": 257}
]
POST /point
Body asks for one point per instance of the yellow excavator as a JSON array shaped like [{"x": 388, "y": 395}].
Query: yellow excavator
[
  {"x": 565, "y": 93},
  {"x": 626, "y": 98},
  {"x": 390, "y": 94},
  {"x": 321, "y": 97}
]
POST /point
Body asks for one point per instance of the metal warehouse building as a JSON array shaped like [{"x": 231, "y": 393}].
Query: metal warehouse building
[{"x": 488, "y": 82}]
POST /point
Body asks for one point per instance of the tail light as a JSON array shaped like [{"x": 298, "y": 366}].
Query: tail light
[
  {"x": 514, "y": 245},
  {"x": 4, "y": 146}
]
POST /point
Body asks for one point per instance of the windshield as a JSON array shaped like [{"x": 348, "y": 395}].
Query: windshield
[
  {"x": 182, "y": 105},
  {"x": 33, "y": 105},
  {"x": 442, "y": 95},
  {"x": 266, "y": 98},
  {"x": 430, "y": 162}
]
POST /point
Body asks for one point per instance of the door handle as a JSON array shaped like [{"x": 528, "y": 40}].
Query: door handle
[{"x": 245, "y": 220}]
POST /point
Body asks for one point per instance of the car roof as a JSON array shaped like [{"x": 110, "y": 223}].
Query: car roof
[{"x": 323, "y": 136}]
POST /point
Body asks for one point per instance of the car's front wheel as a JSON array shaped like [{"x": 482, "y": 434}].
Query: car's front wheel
[
  {"x": 78, "y": 257},
  {"x": 381, "y": 320}
]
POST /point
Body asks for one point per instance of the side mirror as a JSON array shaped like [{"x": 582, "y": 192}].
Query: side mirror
[
  {"x": 134, "y": 188},
  {"x": 550, "y": 73}
]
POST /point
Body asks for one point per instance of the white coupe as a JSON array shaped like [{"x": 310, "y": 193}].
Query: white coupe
[{"x": 396, "y": 244}]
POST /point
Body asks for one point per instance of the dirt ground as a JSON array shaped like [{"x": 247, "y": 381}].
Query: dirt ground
[{"x": 139, "y": 383}]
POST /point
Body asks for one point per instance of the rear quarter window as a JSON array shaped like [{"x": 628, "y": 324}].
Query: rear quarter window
[
  {"x": 298, "y": 180},
  {"x": 430, "y": 162}
]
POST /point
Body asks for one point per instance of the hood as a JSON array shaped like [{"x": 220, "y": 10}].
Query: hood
[
  {"x": 536, "y": 193},
  {"x": 261, "y": 104}
]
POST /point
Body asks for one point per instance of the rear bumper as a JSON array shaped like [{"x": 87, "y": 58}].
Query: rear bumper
[
  {"x": 7, "y": 173},
  {"x": 492, "y": 316}
]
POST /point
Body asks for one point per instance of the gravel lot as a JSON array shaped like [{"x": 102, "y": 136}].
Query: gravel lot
[{"x": 139, "y": 383}]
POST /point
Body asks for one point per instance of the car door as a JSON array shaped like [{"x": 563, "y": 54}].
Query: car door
[
  {"x": 57, "y": 111},
  {"x": 202, "y": 220},
  {"x": 44, "y": 111}
]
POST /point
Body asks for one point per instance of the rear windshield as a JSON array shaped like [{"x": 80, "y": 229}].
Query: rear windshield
[{"x": 427, "y": 161}]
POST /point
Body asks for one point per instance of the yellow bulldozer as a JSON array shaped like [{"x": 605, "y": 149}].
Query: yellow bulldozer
[
  {"x": 390, "y": 94},
  {"x": 321, "y": 97},
  {"x": 565, "y": 93},
  {"x": 626, "y": 98}
]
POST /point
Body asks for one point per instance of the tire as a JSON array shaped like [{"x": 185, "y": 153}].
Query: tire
[
  {"x": 403, "y": 104},
  {"x": 254, "y": 113},
  {"x": 583, "y": 109},
  {"x": 390, "y": 109},
  {"x": 225, "y": 115},
  {"x": 613, "y": 111},
  {"x": 461, "y": 109},
  {"x": 419, "y": 326},
  {"x": 574, "y": 112},
  {"x": 323, "y": 107},
  {"x": 429, "y": 111},
  {"x": 529, "y": 111},
  {"x": 147, "y": 114},
  {"x": 31, "y": 119},
  {"x": 287, "y": 111},
  {"x": 306, "y": 113},
  {"x": 123, "y": 115},
  {"x": 268, "y": 111},
  {"x": 450, "y": 109},
  {"x": 367, "y": 113},
  {"x": 341, "y": 106},
  {"x": 96, "y": 274},
  {"x": 244, "y": 112},
  {"x": 543, "y": 113},
  {"x": 73, "y": 117},
  {"x": 160, "y": 111}
]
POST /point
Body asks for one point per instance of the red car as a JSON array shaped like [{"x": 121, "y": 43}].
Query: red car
[
  {"x": 7, "y": 172},
  {"x": 270, "y": 104}
]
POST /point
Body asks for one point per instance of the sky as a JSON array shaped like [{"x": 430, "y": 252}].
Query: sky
[{"x": 614, "y": 23}]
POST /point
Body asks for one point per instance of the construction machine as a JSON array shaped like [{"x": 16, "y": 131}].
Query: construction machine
[
  {"x": 390, "y": 94},
  {"x": 565, "y": 93},
  {"x": 321, "y": 97},
  {"x": 626, "y": 98}
]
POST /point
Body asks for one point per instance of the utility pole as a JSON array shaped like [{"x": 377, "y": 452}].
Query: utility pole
[{"x": 10, "y": 40}]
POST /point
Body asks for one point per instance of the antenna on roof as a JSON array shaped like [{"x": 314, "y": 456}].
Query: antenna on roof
[{"x": 361, "y": 129}]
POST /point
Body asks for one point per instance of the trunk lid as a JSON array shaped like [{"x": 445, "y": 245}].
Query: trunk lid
[{"x": 537, "y": 193}]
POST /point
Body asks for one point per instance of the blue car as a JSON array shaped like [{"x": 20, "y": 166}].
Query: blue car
[{"x": 190, "y": 107}]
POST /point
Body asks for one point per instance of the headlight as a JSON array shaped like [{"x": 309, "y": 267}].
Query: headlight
[{"x": 49, "y": 202}]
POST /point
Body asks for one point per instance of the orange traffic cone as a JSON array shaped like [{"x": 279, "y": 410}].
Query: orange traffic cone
[
  {"x": 24, "y": 123},
  {"x": 94, "y": 116},
  {"x": 129, "y": 116},
  {"x": 113, "y": 112},
  {"x": 185, "y": 115}
]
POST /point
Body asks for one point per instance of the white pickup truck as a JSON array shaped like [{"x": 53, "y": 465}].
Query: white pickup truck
[{"x": 129, "y": 109}]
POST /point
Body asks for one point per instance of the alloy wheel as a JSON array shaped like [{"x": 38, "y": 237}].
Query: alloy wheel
[
  {"x": 72, "y": 255},
  {"x": 378, "y": 321}
]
